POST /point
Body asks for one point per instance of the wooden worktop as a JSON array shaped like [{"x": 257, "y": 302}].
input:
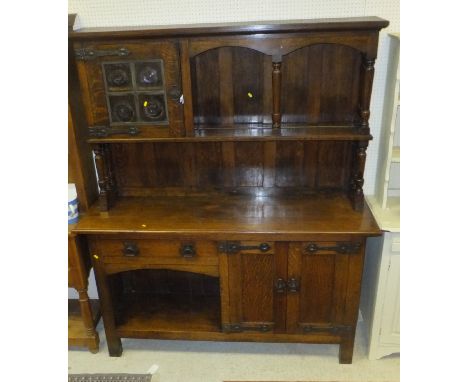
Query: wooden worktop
[{"x": 277, "y": 217}]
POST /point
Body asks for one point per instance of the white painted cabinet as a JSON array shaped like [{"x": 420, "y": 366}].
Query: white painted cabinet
[
  {"x": 380, "y": 306},
  {"x": 380, "y": 302}
]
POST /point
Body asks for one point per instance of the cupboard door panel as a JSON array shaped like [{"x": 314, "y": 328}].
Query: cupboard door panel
[
  {"x": 231, "y": 85},
  {"x": 253, "y": 303},
  {"x": 137, "y": 88},
  {"x": 317, "y": 281},
  {"x": 327, "y": 277},
  {"x": 320, "y": 84}
]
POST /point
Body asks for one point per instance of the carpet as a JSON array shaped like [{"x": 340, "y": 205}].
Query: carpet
[{"x": 109, "y": 377}]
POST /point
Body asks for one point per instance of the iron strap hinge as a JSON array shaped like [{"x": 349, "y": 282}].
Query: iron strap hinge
[
  {"x": 90, "y": 54},
  {"x": 344, "y": 248},
  {"x": 238, "y": 328},
  {"x": 105, "y": 131},
  {"x": 337, "y": 329},
  {"x": 231, "y": 247}
]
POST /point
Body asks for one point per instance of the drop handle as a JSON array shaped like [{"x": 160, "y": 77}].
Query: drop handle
[
  {"x": 130, "y": 249},
  {"x": 293, "y": 285},
  {"x": 187, "y": 251},
  {"x": 280, "y": 286}
]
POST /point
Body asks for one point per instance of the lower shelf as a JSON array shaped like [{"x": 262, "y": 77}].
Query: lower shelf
[
  {"x": 141, "y": 312},
  {"x": 77, "y": 334}
]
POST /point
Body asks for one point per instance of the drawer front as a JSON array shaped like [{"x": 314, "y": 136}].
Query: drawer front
[{"x": 157, "y": 251}]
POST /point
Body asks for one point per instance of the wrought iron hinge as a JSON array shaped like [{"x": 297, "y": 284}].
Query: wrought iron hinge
[
  {"x": 105, "y": 131},
  {"x": 344, "y": 248},
  {"x": 337, "y": 329},
  {"x": 238, "y": 328},
  {"x": 90, "y": 54},
  {"x": 231, "y": 247}
]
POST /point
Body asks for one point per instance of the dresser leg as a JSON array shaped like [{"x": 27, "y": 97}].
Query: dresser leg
[
  {"x": 346, "y": 349},
  {"x": 93, "y": 345},
  {"x": 114, "y": 345},
  {"x": 87, "y": 316}
]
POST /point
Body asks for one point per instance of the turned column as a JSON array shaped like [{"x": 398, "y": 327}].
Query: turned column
[
  {"x": 87, "y": 315},
  {"x": 276, "y": 85},
  {"x": 360, "y": 147},
  {"x": 357, "y": 180},
  {"x": 367, "y": 77}
]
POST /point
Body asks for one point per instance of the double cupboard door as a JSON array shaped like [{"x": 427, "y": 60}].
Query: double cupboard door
[{"x": 291, "y": 287}]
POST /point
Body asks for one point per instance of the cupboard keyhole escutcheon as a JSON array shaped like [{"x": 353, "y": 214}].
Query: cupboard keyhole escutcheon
[
  {"x": 343, "y": 248},
  {"x": 188, "y": 251},
  {"x": 130, "y": 249}
]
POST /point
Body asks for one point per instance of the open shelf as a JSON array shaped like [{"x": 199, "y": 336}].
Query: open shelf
[
  {"x": 247, "y": 132},
  {"x": 162, "y": 300},
  {"x": 77, "y": 334},
  {"x": 285, "y": 132},
  {"x": 172, "y": 312},
  {"x": 281, "y": 217}
]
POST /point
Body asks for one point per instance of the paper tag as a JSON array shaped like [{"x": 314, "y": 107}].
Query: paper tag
[{"x": 153, "y": 369}]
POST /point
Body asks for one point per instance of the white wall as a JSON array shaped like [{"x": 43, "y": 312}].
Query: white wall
[{"x": 95, "y": 13}]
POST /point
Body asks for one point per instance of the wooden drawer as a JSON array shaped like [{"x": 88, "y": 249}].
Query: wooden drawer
[{"x": 156, "y": 251}]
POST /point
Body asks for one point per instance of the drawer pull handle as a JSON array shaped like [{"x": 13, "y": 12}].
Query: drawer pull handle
[
  {"x": 345, "y": 248},
  {"x": 188, "y": 251},
  {"x": 130, "y": 249},
  {"x": 234, "y": 247}
]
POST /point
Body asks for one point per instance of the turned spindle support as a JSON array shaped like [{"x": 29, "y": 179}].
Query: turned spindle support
[
  {"x": 276, "y": 82},
  {"x": 367, "y": 77},
  {"x": 357, "y": 180},
  {"x": 88, "y": 321}
]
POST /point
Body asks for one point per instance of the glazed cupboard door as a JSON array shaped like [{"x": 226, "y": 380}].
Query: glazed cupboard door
[
  {"x": 323, "y": 286},
  {"x": 252, "y": 299},
  {"x": 131, "y": 90}
]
